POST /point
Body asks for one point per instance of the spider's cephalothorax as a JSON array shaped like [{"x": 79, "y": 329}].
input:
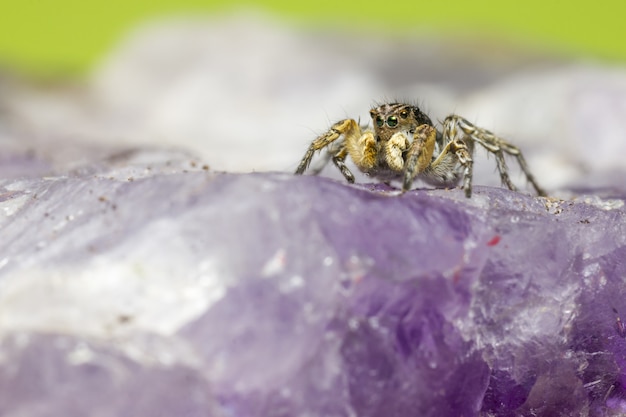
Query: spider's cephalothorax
[{"x": 404, "y": 144}]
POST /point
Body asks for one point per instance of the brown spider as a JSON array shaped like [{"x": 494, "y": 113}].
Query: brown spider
[{"x": 404, "y": 144}]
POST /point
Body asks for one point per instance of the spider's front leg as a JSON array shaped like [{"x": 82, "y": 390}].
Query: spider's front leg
[
  {"x": 348, "y": 128},
  {"x": 419, "y": 155}
]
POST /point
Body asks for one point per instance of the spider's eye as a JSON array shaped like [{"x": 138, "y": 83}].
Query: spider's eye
[
  {"x": 379, "y": 121},
  {"x": 404, "y": 114},
  {"x": 392, "y": 121}
]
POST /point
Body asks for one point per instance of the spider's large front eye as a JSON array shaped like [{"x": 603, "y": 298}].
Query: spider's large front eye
[
  {"x": 379, "y": 121},
  {"x": 392, "y": 121}
]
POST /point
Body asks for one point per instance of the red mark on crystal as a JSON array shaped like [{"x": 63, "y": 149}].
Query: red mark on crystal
[
  {"x": 456, "y": 277},
  {"x": 494, "y": 241}
]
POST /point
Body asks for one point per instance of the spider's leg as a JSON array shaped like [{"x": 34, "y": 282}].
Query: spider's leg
[
  {"x": 502, "y": 169},
  {"x": 319, "y": 167},
  {"x": 464, "y": 156},
  {"x": 326, "y": 155},
  {"x": 346, "y": 127},
  {"x": 419, "y": 154},
  {"x": 338, "y": 160},
  {"x": 462, "y": 150},
  {"x": 495, "y": 145},
  {"x": 513, "y": 150},
  {"x": 456, "y": 151}
]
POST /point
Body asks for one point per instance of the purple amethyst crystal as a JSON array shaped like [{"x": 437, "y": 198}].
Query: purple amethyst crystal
[{"x": 165, "y": 289}]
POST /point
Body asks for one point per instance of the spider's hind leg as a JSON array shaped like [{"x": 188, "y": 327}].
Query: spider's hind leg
[
  {"x": 513, "y": 150},
  {"x": 443, "y": 170},
  {"x": 493, "y": 144},
  {"x": 503, "y": 170}
]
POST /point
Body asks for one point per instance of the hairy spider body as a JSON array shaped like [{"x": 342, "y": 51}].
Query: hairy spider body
[{"x": 405, "y": 145}]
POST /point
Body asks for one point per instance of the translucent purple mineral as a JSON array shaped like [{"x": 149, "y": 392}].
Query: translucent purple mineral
[{"x": 163, "y": 289}]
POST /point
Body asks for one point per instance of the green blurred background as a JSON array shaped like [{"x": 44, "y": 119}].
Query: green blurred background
[{"x": 69, "y": 36}]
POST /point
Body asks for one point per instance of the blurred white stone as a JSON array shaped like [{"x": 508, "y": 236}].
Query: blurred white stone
[
  {"x": 248, "y": 93},
  {"x": 573, "y": 118},
  {"x": 244, "y": 93}
]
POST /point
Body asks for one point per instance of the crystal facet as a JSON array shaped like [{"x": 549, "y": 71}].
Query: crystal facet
[{"x": 273, "y": 295}]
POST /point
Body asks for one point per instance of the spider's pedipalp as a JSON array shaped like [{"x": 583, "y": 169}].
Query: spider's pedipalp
[
  {"x": 394, "y": 150},
  {"x": 363, "y": 149}
]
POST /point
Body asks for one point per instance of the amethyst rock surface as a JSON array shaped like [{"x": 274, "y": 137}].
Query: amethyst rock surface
[{"x": 154, "y": 287}]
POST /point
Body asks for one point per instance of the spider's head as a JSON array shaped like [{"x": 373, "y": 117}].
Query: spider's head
[{"x": 396, "y": 117}]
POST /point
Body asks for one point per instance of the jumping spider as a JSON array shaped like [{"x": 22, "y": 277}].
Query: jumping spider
[{"x": 404, "y": 145}]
